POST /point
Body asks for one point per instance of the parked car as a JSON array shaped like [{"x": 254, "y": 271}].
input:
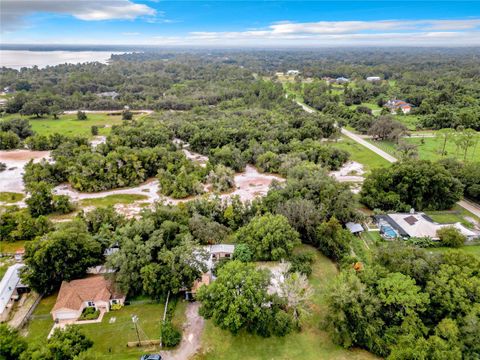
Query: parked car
[{"x": 151, "y": 357}]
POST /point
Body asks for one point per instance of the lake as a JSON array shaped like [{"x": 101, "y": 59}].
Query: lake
[{"x": 17, "y": 59}]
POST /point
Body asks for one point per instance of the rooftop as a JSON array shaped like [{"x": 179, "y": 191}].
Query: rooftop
[
  {"x": 8, "y": 284},
  {"x": 74, "y": 293}
]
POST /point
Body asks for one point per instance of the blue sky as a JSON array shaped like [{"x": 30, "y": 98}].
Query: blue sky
[{"x": 241, "y": 23}]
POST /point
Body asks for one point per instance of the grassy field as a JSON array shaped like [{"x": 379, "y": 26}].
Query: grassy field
[
  {"x": 430, "y": 149},
  {"x": 113, "y": 199},
  {"x": 11, "y": 247},
  {"x": 360, "y": 154},
  {"x": 469, "y": 249},
  {"x": 10, "y": 197},
  {"x": 312, "y": 343},
  {"x": 69, "y": 125},
  {"x": 110, "y": 339}
]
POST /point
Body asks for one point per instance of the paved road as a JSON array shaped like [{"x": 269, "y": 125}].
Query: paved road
[
  {"x": 368, "y": 145},
  {"x": 470, "y": 206},
  {"x": 473, "y": 208}
]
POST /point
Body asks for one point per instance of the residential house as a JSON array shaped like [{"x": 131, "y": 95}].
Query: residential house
[
  {"x": 373, "y": 78},
  {"x": 342, "y": 80},
  {"x": 293, "y": 72},
  {"x": 109, "y": 94},
  {"x": 215, "y": 253},
  {"x": 10, "y": 289},
  {"x": 76, "y": 295},
  {"x": 413, "y": 224},
  {"x": 395, "y": 105}
]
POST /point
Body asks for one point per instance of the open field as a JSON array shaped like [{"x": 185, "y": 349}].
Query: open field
[
  {"x": 359, "y": 153},
  {"x": 469, "y": 249},
  {"x": 113, "y": 200},
  {"x": 312, "y": 343},
  {"x": 110, "y": 339},
  {"x": 10, "y": 197},
  {"x": 430, "y": 148},
  {"x": 10, "y": 247},
  {"x": 68, "y": 124}
]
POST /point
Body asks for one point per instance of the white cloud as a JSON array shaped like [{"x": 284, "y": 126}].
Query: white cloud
[
  {"x": 332, "y": 33},
  {"x": 13, "y": 12}
]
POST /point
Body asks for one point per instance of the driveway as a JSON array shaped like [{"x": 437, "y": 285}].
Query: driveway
[{"x": 192, "y": 333}]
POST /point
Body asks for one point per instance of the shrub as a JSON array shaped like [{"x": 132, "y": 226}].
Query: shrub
[
  {"x": 94, "y": 130},
  {"x": 451, "y": 237},
  {"x": 116, "y": 307},
  {"x": 81, "y": 115},
  {"x": 243, "y": 253},
  {"x": 302, "y": 263},
  {"x": 127, "y": 115},
  {"x": 89, "y": 313},
  {"x": 170, "y": 335}
]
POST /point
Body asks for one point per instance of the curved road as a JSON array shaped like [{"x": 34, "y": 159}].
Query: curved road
[{"x": 467, "y": 205}]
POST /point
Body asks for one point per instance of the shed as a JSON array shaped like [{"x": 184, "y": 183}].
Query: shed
[{"x": 355, "y": 228}]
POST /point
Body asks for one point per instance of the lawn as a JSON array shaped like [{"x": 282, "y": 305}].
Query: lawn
[
  {"x": 10, "y": 247},
  {"x": 312, "y": 343},
  {"x": 469, "y": 249},
  {"x": 69, "y": 125},
  {"x": 360, "y": 154},
  {"x": 110, "y": 339},
  {"x": 113, "y": 199},
  {"x": 10, "y": 197},
  {"x": 430, "y": 148}
]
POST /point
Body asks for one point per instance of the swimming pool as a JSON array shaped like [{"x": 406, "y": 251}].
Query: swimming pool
[{"x": 388, "y": 231}]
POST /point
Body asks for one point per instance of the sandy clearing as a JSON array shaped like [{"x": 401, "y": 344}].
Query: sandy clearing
[
  {"x": 11, "y": 179},
  {"x": 351, "y": 171}
]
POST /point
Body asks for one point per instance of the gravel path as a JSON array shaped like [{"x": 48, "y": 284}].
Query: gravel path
[{"x": 192, "y": 333}]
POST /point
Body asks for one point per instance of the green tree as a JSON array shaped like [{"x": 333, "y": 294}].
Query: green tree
[
  {"x": 445, "y": 135},
  {"x": 81, "y": 115},
  {"x": 450, "y": 236},
  {"x": 270, "y": 237},
  {"x": 127, "y": 115},
  {"x": 221, "y": 178},
  {"x": 65, "y": 344},
  {"x": 34, "y": 107},
  {"x": 64, "y": 254},
  {"x": 333, "y": 240},
  {"x": 12, "y": 344},
  {"x": 40, "y": 201},
  {"x": 236, "y": 300},
  {"x": 242, "y": 253},
  {"x": 9, "y": 140}
]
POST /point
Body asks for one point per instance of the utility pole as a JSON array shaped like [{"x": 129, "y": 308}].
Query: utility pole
[{"x": 135, "y": 321}]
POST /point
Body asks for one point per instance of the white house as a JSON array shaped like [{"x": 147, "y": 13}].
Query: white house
[
  {"x": 293, "y": 72},
  {"x": 342, "y": 80},
  {"x": 10, "y": 288},
  {"x": 76, "y": 295},
  {"x": 373, "y": 78},
  {"x": 395, "y": 105}
]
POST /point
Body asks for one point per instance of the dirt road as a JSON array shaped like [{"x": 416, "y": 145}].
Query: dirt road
[{"x": 192, "y": 332}]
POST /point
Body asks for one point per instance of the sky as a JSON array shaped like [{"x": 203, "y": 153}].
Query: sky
[{"x": 240, "y": 23}]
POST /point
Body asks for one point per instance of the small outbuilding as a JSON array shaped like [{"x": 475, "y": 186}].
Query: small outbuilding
[{"x": 355, "y": 228}]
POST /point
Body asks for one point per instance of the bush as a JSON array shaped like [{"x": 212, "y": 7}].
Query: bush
[
  {"x": 62, "y": 204},
  {"x": 127, "y": 115},
  {"x": 94, "y": 130},
  {"x": 451, "y": 237},
  {"x": 81, "y": 115},
  {"x": 116, "y": 307},
  {"x": 242, "y": 253},
  {"x": 170, "y": 335},
  {"x": 302, "y": 263},
  {"x": 3, "y": 166},
  {"x": 89, "y": 313}
]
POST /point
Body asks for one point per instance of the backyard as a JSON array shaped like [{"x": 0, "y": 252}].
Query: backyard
[
  {"x": 110, "y": 337},
  {"x": 312, "y": 343}
]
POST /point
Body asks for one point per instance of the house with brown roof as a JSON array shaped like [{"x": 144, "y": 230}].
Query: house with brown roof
[{"x": 76, "y": 295}]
